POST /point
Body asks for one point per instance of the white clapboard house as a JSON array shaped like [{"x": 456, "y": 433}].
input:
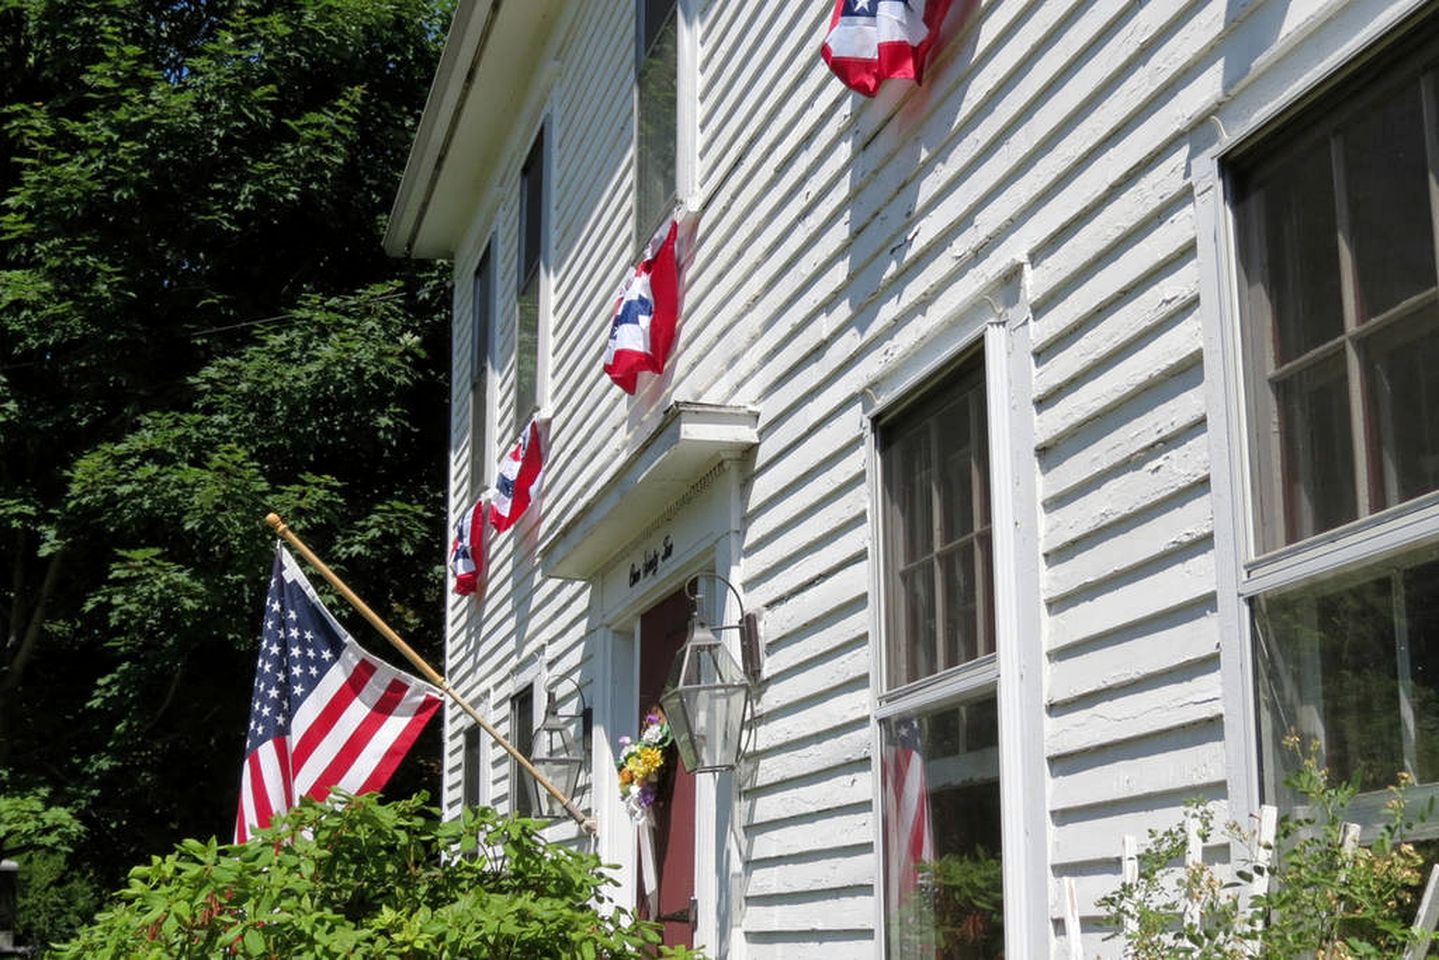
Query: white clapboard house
[{"x": 1070, "y": 423}]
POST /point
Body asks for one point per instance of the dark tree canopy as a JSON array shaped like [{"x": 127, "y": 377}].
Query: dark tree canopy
[{"x": 197, "y": 326}]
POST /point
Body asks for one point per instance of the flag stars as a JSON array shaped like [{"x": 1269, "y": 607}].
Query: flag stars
[
  {"x": 297, "y": 670},
  {"x": 274, "y": 649},
  {"x": 275, "y": 605},
  {"x": 293, "y": 616},
  {"x": 326, "y": 655},
  {"x": 314, "y": 671}
]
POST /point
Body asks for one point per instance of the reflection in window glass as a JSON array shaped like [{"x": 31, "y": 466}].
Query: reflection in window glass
[
  {"x": 655, "y": 150},
  {"x": 1387, "y": 182},
  {"x": 942, "y": 870},
  {"x": 1403, "y": 375},
  {"x": 527, "y": 326},
  {"x": 522, "y": 735},
  {"x": 1352, "y": 664}
]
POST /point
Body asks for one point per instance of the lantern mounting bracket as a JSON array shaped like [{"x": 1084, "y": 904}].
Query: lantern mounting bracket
[{"x": 748, "y": 625}]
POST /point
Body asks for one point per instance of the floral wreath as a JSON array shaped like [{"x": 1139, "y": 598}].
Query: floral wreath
[{"x": 641, "y": 763}]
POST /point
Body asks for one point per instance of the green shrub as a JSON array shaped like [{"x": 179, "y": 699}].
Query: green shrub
[
  {"x": 367, "y": 879},
  {"x": 1322, "y": 901}
]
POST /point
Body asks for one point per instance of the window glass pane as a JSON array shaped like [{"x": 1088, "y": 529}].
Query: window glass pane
[
  {"x": 532, "y": 199},
  {"x": 527, "y": 323},
  {"x": 935, "y": 467},
  {"x": 1293, "y": 252},
  {"x": 657, "y": 128},
  {"x": 1318, "y": 467},
  {"x": 1353, "y": 664},
  {"x": 913, "y": 653},
  {"x": 961, "y": 467},
  {"x": 1386, "y": 181},
  {"x": 941, "y": 846},
  {"x": 913, "y": 493},
  {"x": 522, "y": 736},
  {"x": 470, "y": 772},
  {"x": 483, "y": 296},
  {"x": 1403, "y": 381},
  {"x": 527, "y": 352}
]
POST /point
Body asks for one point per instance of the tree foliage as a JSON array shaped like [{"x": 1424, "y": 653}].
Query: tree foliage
[
  {"x": 366, "y": 879},
  {"x": 197, "y": 326}
]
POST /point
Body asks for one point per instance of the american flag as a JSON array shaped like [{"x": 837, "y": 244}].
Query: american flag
[
  {"x": 468, "y": 552},
  {"x": 519, "y": 478},
  {"x": 909, "y": 839},
  {"x": 324, "y": 713},
  {"x": 870, "y": 41},
  {"x": 642, "y": 326}
]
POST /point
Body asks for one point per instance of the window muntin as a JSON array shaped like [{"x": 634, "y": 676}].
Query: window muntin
[
  {"x": 1351, "y": 662},
  {"x": 522, "y": 737},
  {"x": 531, "y": 254},
  {"x": 938, "y": 585},
  {"x": 1335, "y": 226},
  {"x": 480, "y": 321},
  {"x": 657, "y": 78},
  {"x": 943, "y": 871}
]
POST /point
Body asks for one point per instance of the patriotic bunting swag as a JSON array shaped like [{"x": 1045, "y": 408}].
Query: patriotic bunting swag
[
  {"x": 324, "y": 713},
  {"x": 519, "y": 478},
  {"x": 468, "y": 554},
  {"x": 642, "y": 327},
  {"x": 870, "y": 41}
]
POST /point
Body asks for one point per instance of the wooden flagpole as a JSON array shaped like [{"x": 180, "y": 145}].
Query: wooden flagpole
[{"x": 586, "y": 823}]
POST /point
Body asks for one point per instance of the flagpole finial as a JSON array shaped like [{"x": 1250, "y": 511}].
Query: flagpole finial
[{"x": 273, "y": 519}]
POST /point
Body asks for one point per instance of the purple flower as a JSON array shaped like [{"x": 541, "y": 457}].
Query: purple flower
[
  {"x": 624, "y": 741},
  {"x": 652, "y": 718},
  {"x": 647, "y": 795}
]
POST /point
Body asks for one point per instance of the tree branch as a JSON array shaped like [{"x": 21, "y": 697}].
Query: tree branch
[{"x": 15, "y": 671}]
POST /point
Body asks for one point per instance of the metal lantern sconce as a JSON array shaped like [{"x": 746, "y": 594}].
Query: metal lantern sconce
[
  {"x": 561, "y": 763},
  {"x": 709, "y": 695}
]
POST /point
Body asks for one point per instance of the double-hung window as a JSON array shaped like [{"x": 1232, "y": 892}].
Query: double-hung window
[
  {"x": 1334, "y": 217},
  {"x": 656, "y": 110},
  {"x": 939, "y": 725},
  {"x": 531, "y": 258}
]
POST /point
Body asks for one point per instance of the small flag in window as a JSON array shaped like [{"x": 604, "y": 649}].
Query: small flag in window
[
  {"x": 642, "y": 326},
  {"x": 870, "y": 41},
  {"x": 323, "y": 712},
  {"x": 519, "y": 478},
  {"x": 468, "y": 552}
]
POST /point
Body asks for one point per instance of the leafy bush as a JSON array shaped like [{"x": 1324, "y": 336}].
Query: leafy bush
[
  {"x": 367, "y": 879},
  {"x": 55, "y": 896},
  {"x": 1322, "y": 901}
]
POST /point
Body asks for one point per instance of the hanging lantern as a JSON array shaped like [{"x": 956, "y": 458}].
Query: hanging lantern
[
  {"x": 706, "y": 702},
  {"x": 561, "y": 763}
]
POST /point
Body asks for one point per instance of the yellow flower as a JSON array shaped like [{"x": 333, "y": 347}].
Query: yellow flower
[{"x": 652, "y": 756}]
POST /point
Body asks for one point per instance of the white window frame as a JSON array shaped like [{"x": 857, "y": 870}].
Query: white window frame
[
  {"x": 1299, "y": 67},
  {"x": 996, "y": 321}
]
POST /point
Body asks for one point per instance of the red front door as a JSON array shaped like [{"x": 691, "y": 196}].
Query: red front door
[{"x": 662, "y": 633}]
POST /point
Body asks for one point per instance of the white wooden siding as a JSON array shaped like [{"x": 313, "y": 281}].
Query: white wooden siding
[{"x": 835, "y": 233}]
